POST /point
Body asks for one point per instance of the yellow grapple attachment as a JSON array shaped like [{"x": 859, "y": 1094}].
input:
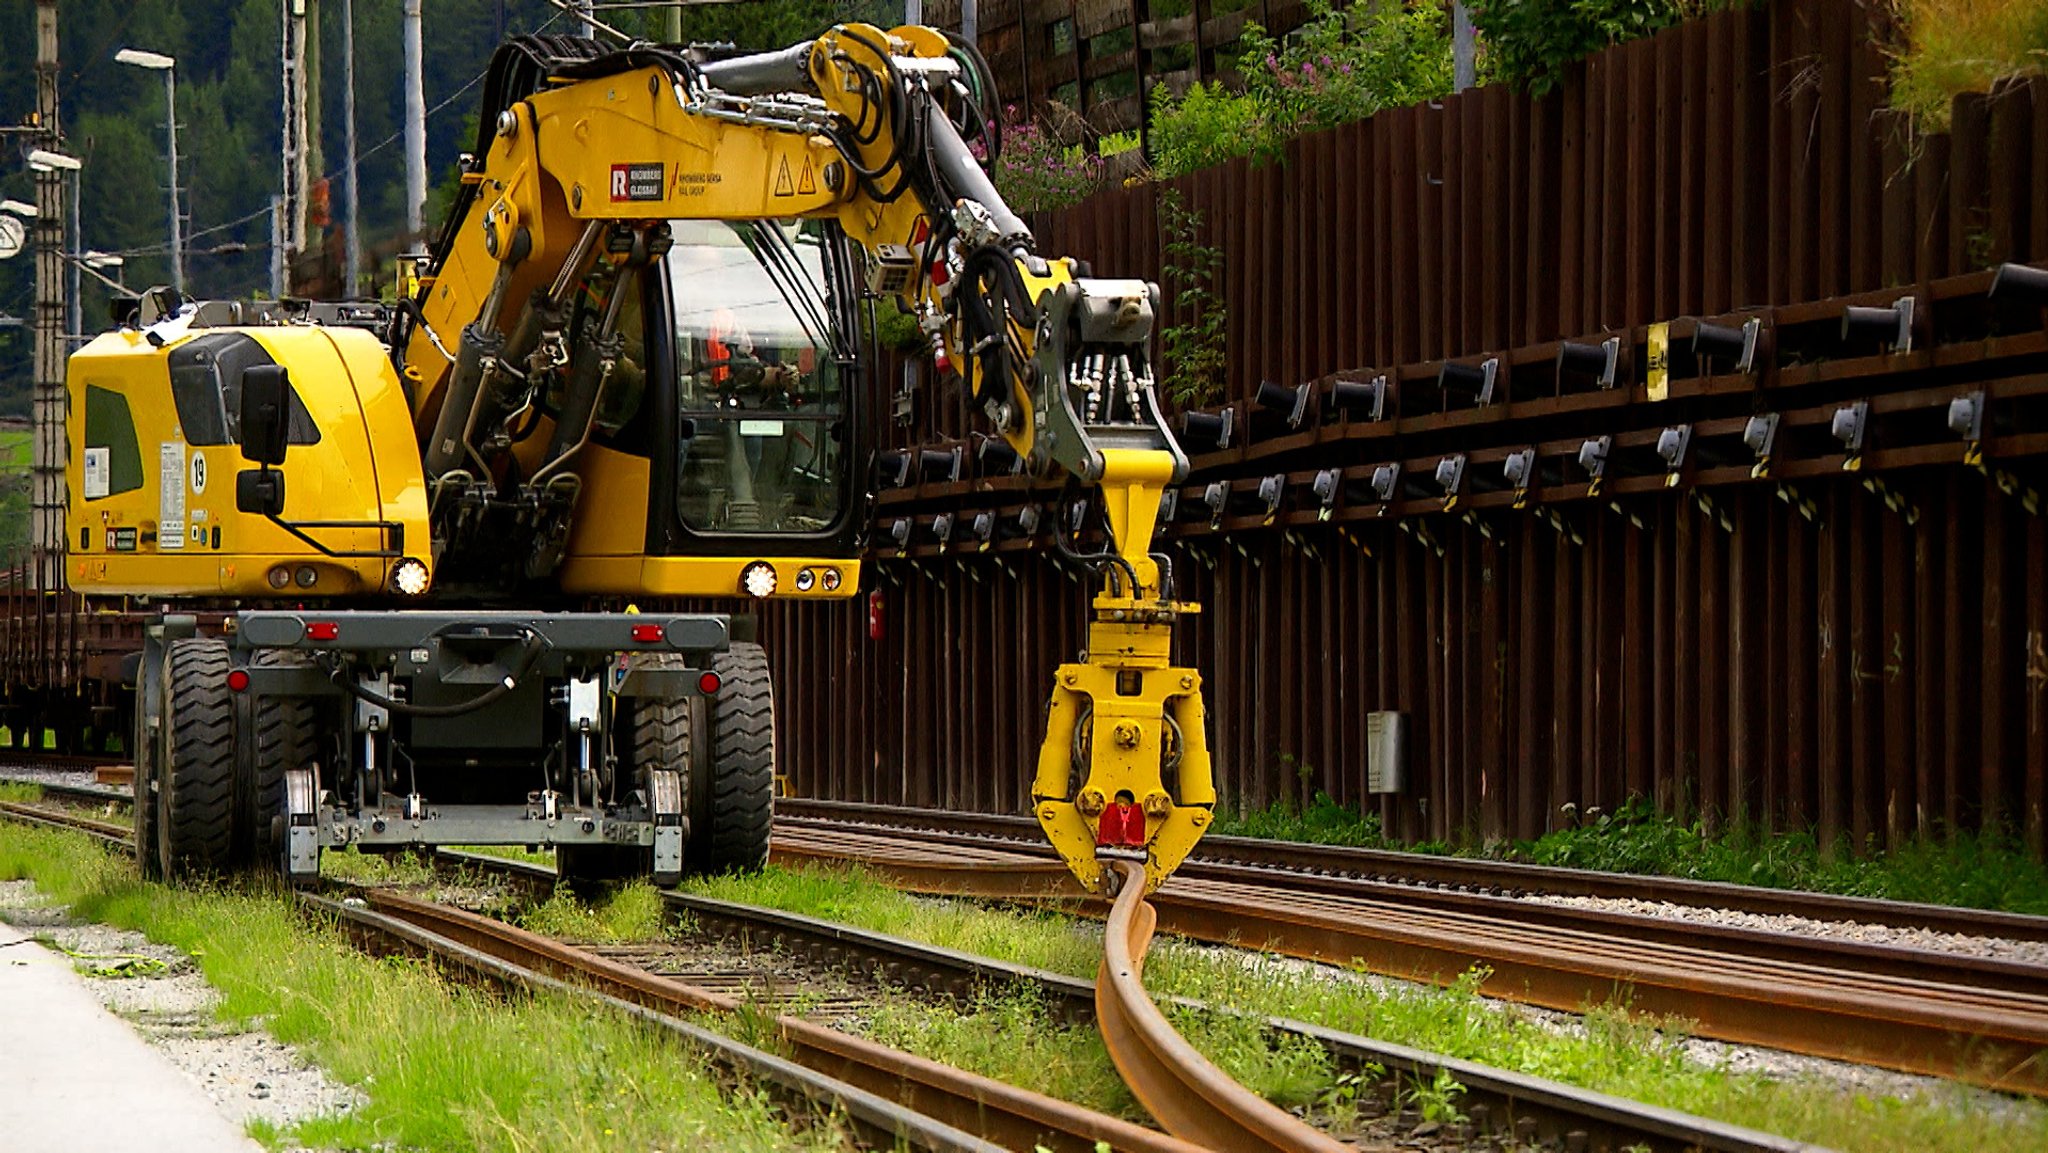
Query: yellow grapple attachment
[{"x": 1126, "y": 719}]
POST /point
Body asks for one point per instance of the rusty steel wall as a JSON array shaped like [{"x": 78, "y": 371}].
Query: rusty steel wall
[
  {"x": 1870, "y": 662},
  {"x": 1100, "y": 57},
  {"x": 1852, "y": 671}
]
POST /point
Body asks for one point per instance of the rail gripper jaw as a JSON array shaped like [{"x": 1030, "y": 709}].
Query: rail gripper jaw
[{"x": 1125, "y": 731}]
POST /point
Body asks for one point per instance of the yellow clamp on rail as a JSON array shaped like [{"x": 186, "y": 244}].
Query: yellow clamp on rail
[{"x": 1124, "y": 771}]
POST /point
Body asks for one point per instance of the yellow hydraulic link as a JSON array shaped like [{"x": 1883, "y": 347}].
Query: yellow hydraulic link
[{"x": 1125, "y": 720}]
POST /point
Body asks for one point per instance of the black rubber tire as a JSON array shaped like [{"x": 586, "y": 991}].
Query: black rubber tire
[
  {"x": 196, "y": 797},
  {"x": 278, "y": 734},
  {"x": 656, "y": 735},
  {"x": 732, "y": 804}
]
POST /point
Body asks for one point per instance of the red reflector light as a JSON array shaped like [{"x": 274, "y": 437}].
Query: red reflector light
[
  {"x": 648, "y": 634},
  {"x": 708, "y": 683},
  {"x": 238, "y": 680},
  {"x": 323, "y": 630}
]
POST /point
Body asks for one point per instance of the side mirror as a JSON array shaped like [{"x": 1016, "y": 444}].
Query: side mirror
[
  {"x": 259, "y": 490},
  {"x": 265, "y": 389}
]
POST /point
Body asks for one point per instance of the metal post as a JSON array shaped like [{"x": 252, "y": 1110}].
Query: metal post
[
  {"x": 1463, "y": 66},
  {"x": 415, "y": 124},
  {"x": 675, "y": 24},
  {"x": 177, "y": 227},
  {"x": 291, "y": 231},
  {"x": 277, "y": 256},
  {"x": 970, "y": 21},
  {"x": 585, "y": 28},
  {"x": 74, "y": 325},
  {"x": 48, "y": 451},
  {"x": 352, "y": 258}
]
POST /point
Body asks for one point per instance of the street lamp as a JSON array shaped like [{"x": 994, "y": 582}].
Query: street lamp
[
  {"x": 158, "y": 62},
  {"x": 44, "y": 160}
]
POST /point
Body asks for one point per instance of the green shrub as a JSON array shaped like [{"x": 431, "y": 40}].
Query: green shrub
[
  {"x": 1531, "y": 41},
  {"x": 1337, "y": 67},
  {"x": 1037, "y": 171}
]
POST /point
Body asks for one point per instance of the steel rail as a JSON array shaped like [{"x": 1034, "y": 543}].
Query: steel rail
[
  {"x": 1188, "y": 1094},
  {"x": 1558, "y": 1111},
  {"x": 1551, "y": 1110},
  {"x": 1533, "y": 1107},
  {"x": 1874, "y": 958},
  {"x": 104, "y": 831},
  {"x": 1496, "y": 877},
  {"x": 1014, "y": 1117},
  {"x": 886, "y": 1123},
  {"x": 898, "y": 1095},
  {"x": 1987, "y": 1036}
]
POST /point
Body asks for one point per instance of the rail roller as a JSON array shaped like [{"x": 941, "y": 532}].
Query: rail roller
[{"x": 628, "y": 374}]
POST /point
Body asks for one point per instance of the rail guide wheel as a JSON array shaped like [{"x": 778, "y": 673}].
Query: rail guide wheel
[
  {"x": 658, "y": 758},
  {"x": 301, "y": 842}
]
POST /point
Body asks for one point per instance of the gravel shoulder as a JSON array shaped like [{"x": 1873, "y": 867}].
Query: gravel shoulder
[{"x": 247, "y": 1074}]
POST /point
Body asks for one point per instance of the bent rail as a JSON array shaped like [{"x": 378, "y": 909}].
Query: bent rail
[{"x": 1188, "y": 1094}]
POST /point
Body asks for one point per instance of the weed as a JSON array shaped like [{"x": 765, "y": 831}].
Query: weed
[
  {"x": 443, "y": 1068},
  {"x": 632, "y": 912},
  {"x": 1613, "y": 1050},
  {"x": 1196, "y": 342},
  {"x": 1956, "y": 46},
  {"x": 1012, "y": 1036},
  {"x": 1438, "y": 1100}
]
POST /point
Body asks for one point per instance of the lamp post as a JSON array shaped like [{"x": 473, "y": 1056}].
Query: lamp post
[
  {"x": 158, "y": 62},
  {"x": 44, "y": 160}
]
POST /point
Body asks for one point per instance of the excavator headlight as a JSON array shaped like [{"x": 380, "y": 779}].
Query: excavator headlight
[
  {"x": 280, "y": 577},
  {"x": 831, "y": 580},
  {"x": 758, "y": 579},
  {"x": 805, "y": 579},
  {"x": 409, "y": 577}
]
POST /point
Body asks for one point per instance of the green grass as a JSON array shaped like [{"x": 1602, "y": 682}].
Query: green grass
[
  {"x": 17, "y": 450},
  {"x": 1991, "y": 870},
  {"x": 632, "y": 912},
  {"x": 1614, "y": 1051},
  {"x": 1956, "y": 46},
  {"x": 443, "y": 1068}
]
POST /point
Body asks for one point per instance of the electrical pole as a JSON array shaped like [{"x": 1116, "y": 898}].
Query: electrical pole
[
  {"x": 289, "y": 229},
  {"x": 415, "y": 124},
  {"x": 351, "y": 241},
  {"x": 47, "y": 455},
  {"x": 1464, "y": 52}
]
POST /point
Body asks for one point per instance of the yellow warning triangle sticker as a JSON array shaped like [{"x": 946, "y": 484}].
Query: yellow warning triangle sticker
[
  {"x": 807, "y": 184},
  {"x": 782, "y": 185}
]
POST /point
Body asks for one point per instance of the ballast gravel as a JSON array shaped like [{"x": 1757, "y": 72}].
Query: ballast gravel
[
  {"x": 1998, "y": 948},
  {"x": 248, "y": 1074}
]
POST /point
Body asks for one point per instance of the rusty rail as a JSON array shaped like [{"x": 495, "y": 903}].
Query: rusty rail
[
  {"x": 1016, "y": 1118},
  {"x": 1986, "y": 1036},
  {"x": 1188, "y": 1094}
]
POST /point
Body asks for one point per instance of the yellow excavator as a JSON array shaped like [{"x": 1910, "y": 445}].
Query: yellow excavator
[{"x": 628, "y": 374}]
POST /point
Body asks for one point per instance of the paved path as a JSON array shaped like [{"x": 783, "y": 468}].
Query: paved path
[{"x": 74, "y": 1078}]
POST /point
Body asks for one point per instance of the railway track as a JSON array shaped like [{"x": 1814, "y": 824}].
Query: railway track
[
  {"x": 1528, "y": 1110},
  {"x": 1914, "y": 1010},
  {"x": 1461, "y": 874}
]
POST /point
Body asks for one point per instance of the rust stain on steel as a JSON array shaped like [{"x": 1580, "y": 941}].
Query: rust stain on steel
[
  {"x": 1015, "y": 1117},
  {"x": 1987, "y": 1036},
  {"x": 1188, "y": 1094}
]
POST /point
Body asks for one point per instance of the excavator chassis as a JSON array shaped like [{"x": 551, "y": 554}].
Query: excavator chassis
[{"x": 410, "y": 729}]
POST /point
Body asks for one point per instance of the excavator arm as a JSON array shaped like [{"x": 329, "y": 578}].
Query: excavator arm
[{"x": 590, "y": 157}]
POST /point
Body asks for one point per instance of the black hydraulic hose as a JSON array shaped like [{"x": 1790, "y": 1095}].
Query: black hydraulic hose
[{"x": 535, "y": 645}]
